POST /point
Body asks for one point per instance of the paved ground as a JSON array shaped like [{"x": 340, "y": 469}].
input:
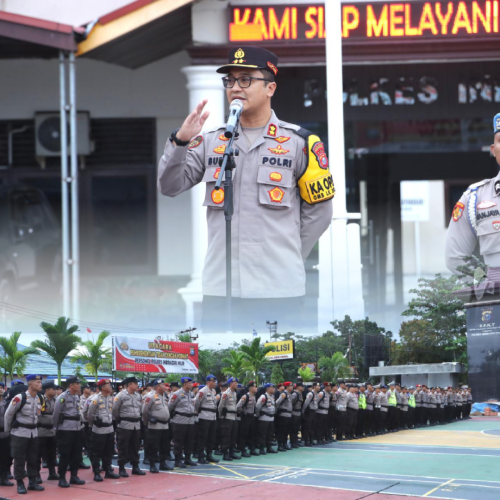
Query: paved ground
[{"x": 458, "y": 462}]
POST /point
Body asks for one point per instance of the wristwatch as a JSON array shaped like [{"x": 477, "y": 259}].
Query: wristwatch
[{"x": 176, "y": 140}]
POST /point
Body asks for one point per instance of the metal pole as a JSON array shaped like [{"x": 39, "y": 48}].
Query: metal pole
[
  {"x": 74, "y": 193},
  {"x": 64, "y": 186}
]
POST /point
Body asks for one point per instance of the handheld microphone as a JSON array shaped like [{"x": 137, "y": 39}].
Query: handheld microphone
[{"x": 235, "y": 110}]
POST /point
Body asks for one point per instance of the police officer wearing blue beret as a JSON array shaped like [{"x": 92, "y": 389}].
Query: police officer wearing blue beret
[{"x": 476, "y": 218}]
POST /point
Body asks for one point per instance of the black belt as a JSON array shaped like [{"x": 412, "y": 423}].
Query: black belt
[
  {"x": 266, "y": 413},
  {"x": 230, "y": 411},
  {"x": 76, "y": 418},
  {"x": 352, "y": 409},
  {"x": 17, "y": 424},
  {"x": 213, "y": 410},
  {"x": 159, "y": 422},
  {"x": 102, "y": 424},
  {"x": 45, "y": 426},
  {"x": 130, "y": 419},
  {"x": 185, "y": 414},
  {"x": 284, "y": 411}
]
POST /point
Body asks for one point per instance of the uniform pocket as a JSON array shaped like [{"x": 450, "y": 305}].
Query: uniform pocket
[
  {"x": 488, "y": 232},
  {"x": 275, "y": 187},
  {"x": 213, "y": 198}
]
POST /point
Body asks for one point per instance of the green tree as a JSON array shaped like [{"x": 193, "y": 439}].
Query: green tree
[
  {"x": 13, "y": 362},
  {"x": 306, "y": 374},
  {"x": 255, "y": 357},
  {"x": 184, "y": 337},
  {"x": 95, "y": 356},
  {"x": 277, "y": 375},
  {"x": 60, "y": 341},
  {"x": 234, "y": 365},
  {"x": 442, "y": 318},
  {"x": 333, "y": 368},
  {"x": 205, "y": 361}
]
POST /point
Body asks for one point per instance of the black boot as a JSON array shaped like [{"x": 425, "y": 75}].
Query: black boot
[
  {"x": 146, "y": 461},
  {"x": 74, "y": 479},
  {"x": 227, "y": 456},
  {"x": 271, "y": 450},
  {"x": 53, "y": 476},
  {"x": 245, "y": 453},
  {"x": 254, "y": 452},
  {"x": 235, "y": 455},
  {"x": 62, "y": 481},
  {"x": 83, "y": 465},
  {"x": 281, "y": 447},
  {"x": 10, "y": 476},
  {"x": 38, "y": 480},
  {"x": 110, "y": 474},
  {"x": 202, "y": 461},
  {"x": 21, "y": 489},
  {"x": 4, "y": 481},
  {"x": 123, "y": 472},
  {"x": 152, "y": 468},
  {"x": 212, "y": 459},
  {"x": 165, "y": 466},
  {"x": 188, "y": 461},
  {"x": 33, "y": 485},
  {"x": 179, "y": 463},
  {"x": 263, "y": 451},
  {"x": 97, "y": 476},
  {"x": 136, "y": 471}
]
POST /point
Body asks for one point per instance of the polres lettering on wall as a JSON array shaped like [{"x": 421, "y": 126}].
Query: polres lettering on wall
[{"x": 403, "y": 91}]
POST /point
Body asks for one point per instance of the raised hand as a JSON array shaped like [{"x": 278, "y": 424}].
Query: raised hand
[{"x": 193, "y": 123}]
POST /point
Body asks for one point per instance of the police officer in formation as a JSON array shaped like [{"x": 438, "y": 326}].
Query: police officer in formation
[{"x": 253, "y": 421}]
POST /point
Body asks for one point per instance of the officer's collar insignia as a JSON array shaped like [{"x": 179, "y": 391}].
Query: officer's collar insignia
[
  {"x": 276, "y": 194},
  {"x": 222, "y": 137},
  {"x": 272, "y": 129},
  {"x": 275, "y": 176},
  {"x": 281, "y": 139},
  {"x": 220, "y": 149},
  {"x": 278, "y": 150}
]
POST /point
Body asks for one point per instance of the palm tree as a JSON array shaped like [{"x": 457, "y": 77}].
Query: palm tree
[
  {"x": 306, "y": 374},
  {"x": 184, "y": 337},
  {"x": 95, "y": 356},
  {"x": 334, "y": 368},
  {"x": 235, "y": 365},
  {"x": 14, "y": 360},
  {"x": 255, "y": 356},
  {"x": 60, "y": 341},
  {"x": 205, "y": 362}
]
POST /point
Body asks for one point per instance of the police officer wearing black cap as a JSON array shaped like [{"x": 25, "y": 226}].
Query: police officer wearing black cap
[
  {"x": 67, "y": 421},
  {"x": 47, "y": 443},
  {"x": 282, "y": 185}
]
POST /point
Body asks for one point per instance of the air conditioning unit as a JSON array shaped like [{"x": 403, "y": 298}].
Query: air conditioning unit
[{"x": 48, "y": 134}]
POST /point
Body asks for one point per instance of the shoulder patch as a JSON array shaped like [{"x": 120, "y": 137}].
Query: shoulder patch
[
  {"x": 195, "y": 142},
  {"x": 225, "y": 396},
  {"x": 174, "y": 397},
  {"x": 16, "y": 400},
  {"x": 147, "y": 400},
  {"x": 201, "y": 395},
  {"x": 95, "y": 402},
  {"x": 116, "y": 398},
  {"x": 316, "y": 183},
  {"x": 62, "y": 400},
  {"x": 458, "y": 211}
]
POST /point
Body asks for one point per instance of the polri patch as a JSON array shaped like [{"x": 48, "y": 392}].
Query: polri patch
[
  {"x": 278, "y": 150},
  {"x": 458, "y": 211},
  {"x": 195, "y": 142}
]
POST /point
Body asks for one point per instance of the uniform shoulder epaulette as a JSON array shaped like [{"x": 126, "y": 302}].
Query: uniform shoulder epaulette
[
  {"x": 477, "y": 185},
  {"x": 302, "y": 132},
  {"x": 214, "y": 129},
  {"x": 291, "y": 126}
]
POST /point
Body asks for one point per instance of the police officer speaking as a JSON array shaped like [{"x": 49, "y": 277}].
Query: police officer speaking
[
  {"x": 282, "y": 194},
  {"x": 476, "y": 217}
]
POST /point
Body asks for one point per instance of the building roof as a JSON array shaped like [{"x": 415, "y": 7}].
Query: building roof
[
  {"x": 139, "y": 33},
  {"x": 29, "y": 37},
  {"x": 42, "y": 364},
  {"x": 416, "y": 369}
]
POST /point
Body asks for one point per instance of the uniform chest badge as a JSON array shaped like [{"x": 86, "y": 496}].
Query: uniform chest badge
[
  {"x": 220, "y": 149},
  {"x": 276, "y": 194},
  {"x": 218, "y": 196},
  {"x": 458, "y": 211},
  {"x": 275, "y": 176},
  {"x": 486, "y": 204},
  {"x": 272, "y": 130},
  {"x": 216, "y": 173},
  {"x": 496, "y": 225},
  {"x": 319, "y": 151},
  {"x": 195, "y": 142},
  {"x": 281, "y": 139},
  {"x": 222, "y": 137},
  {"x": 279, "y": 150}
]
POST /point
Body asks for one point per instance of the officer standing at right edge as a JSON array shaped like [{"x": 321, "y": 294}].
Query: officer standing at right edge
[
  {"x": 476, "y": 217},
  {"x": 282, "y": 192}
]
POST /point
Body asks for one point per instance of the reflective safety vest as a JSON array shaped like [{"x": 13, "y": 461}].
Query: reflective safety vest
[
  {"x": 391, "y": 400},
  {"x": 362, "y": 402},
  {"x": 411, "y": 401}
]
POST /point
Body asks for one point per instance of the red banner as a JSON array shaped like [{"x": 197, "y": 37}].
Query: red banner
[{"x": 145, "y": 355}]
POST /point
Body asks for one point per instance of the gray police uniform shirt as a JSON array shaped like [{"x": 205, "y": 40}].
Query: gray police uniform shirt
[
  {"x": 284, "y": 405},
  {"x": 83, "y": 405},
  {"x": 3, "y": 409},
  {"x": 270, "y": 218},
  {"x": 476, "y": 217},
  {"x": 246, "y": 404},
  {"x": 352, "y": 401},
  {"x": 341, "y": 400},
  {"x": 404, "y": 402},
  {"x": 228, "y": 401},
  {"x": 376, "y": 400},
  {"x": 205, "y": 404},
  {"x": 369, "y": 399},
  {"x": 384, "y": 402},
  {"x": 181, "y": 407},
  {"x": 155, "y": 406},
  {"x": 323, "y": 402},
  {"x": 128, "y": 406},
  {"x": 265, "y": 408},
  {"x": 67, "y": 406},
  {"x": 28, "y": 415},
  {"x": 100, "y": 413},
  {"x": 46, "y": 419},
  {"x": 297, "y": 404}
]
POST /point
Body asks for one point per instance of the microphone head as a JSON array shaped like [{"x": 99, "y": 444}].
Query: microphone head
[{"x": 236, "y": 104}]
